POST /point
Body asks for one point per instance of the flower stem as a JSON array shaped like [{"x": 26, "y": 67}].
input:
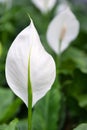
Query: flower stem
[{"x": 29, "y": 99}]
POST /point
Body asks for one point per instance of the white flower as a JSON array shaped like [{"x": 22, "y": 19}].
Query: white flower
[
  {"x": 63, "y": 29},
  {"x": 44, "y": 5},
  {"x": 27, "y": 49},
  {"x": 8, "y": 3}
]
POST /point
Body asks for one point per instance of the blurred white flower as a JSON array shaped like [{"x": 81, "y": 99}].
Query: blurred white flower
[
  {"x": 8, "y": 3},
  {"x": 63, "y": 29},
  {"x": 2, "y": 1},
  {"x": 62, "y": 6},
  {"x": 44, "y": 5},
  {"x": 27, "y": 53}
]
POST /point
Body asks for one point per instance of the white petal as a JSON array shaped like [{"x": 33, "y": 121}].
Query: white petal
[
  {"x": 67, "y": 19},
  {"x": 42, "y": 67},
  {"x": 17, "y": 63},
  {"x": 42, "y": 71},
  {"x": 44, "y": 5}
]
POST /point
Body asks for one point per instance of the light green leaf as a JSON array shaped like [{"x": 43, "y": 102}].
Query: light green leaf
[
  {"x": 8, "y": 106},
  {"x": 81, "y": 127},
  {"x": 6, "y": 98},
  {"x": 2, "y": 127},
  {"x": 12, "y": 109},
  {"x": 11, "y": 126}
]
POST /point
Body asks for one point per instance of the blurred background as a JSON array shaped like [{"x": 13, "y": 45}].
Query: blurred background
[{"x": 65, "y": 106}]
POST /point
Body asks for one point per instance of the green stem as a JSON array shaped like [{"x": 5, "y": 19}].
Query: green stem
[
  {"x": 62, "y": 114},
  {"x": 29, "y": 99},
  {"x": 47, "y": 110}
]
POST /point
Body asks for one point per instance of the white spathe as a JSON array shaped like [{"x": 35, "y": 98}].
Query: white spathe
[
  {"x": 42, "y": 66},
  {"x": 63, "y": 29},
  {"x": 44, "y": 5}
]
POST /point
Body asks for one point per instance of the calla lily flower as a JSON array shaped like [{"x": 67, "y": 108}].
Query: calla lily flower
[
  {"x": 63, "y": 29},
  {"x": 27, "y": 51},
  {"x": 44, "y": 5}
]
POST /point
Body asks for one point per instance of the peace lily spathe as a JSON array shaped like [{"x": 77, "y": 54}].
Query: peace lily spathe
[
  {"x": 63, "y": 29},
  {"x": 44, "y": 5},
  {"x": 25, "y": 49}
]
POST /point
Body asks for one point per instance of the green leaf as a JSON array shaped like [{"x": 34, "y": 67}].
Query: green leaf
[
  {"x": 8, "y": 106},
  {"x": 2, "y": 127},
  {"x": 11, "y": 126},
  {"x": 78, "y": 88},
  {"x": 74, "y": 58},
  {"x": 83, "y": 21},
  {"x": 81, "y": 127},
  {"x": 6, "y": 98},
  {"x": 46, "y": 112},
  {"x": 22, "y": 125},
  {"x": 15, "y": 125},
  {"x": 12, "y": 110},
  {"x": 82, "y": 99}
]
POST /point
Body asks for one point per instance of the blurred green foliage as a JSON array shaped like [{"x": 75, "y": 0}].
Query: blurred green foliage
[{"x": 65, "y": 106}]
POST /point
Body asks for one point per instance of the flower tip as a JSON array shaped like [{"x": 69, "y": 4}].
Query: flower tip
[
  {"x": 62, "y": 7},
  {"x": 29, "y": 16},
  {"x": 31, "y": 21}
]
